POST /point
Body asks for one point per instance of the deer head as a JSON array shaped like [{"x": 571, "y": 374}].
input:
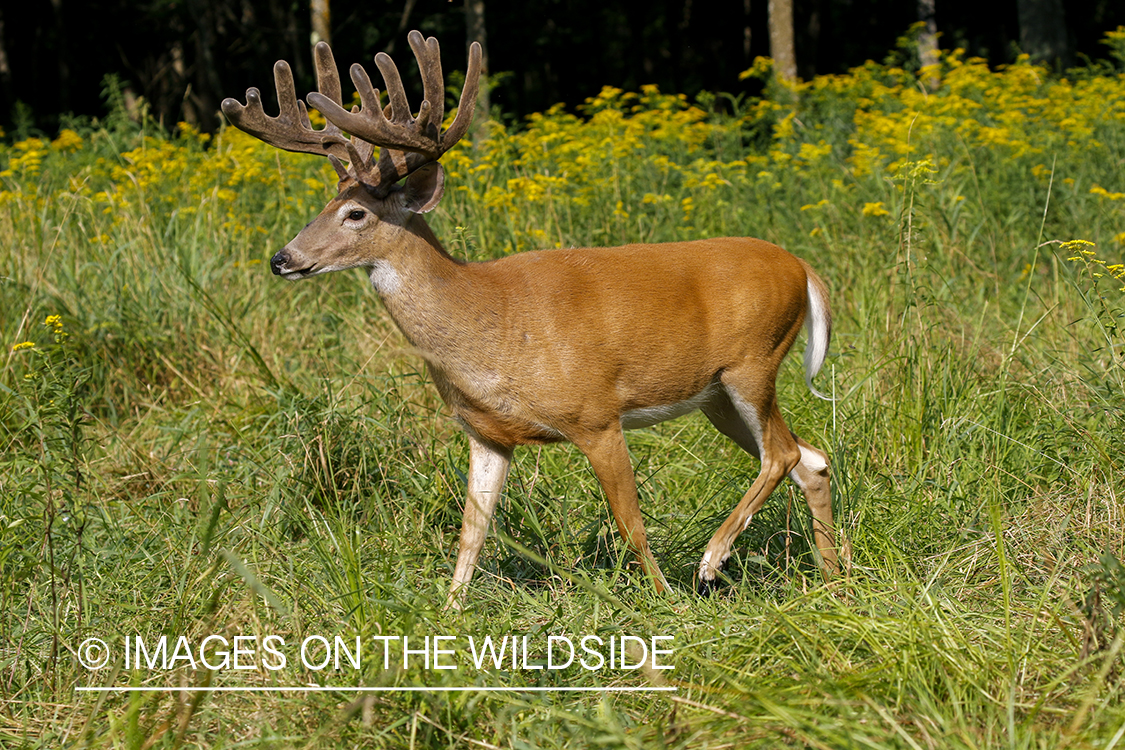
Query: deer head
[{"x": 377, "y": 198}]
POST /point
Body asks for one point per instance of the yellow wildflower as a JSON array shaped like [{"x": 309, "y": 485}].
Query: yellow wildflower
[
  {"x": 55, "y": 321},
  {"x": 813, "y": 153},
  {"x": 1099, "y": 190},
  {"x": 68, "y": 140}
]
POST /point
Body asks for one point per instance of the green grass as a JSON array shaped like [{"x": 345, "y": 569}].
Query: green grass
[{"x": 200, "y": 449}]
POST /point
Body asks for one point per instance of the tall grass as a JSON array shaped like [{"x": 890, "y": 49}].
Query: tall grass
[{"x": 190, "y": 448}]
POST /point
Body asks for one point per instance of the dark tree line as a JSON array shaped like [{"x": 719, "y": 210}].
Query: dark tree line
[{"x": 184, "y": 56}]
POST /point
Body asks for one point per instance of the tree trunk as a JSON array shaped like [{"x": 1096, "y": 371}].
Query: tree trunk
[
  {"x": 746, "y": 32},
  {"x": 6, "y": 89},
  {"x": 1043, "y": 32},
  {"x": 403, "y": 20},
  {"x": 475, "y": 32},
  {"x": 781, "y": 39},
  {"x": 321, "y": 22},
  {"x": 927, "y": 39},
  {"x": 208, "y": 87}
]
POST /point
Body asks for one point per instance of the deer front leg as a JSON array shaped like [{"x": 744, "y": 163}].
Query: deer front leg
[
  {"x": 488, "y": 468},
  {"x": 609, "y": 457}
]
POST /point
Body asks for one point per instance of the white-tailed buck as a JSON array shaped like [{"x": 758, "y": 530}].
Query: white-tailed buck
[{"x": 571, "y": 344}]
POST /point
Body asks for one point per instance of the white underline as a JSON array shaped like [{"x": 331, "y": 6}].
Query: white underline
[{"x": 362, "y": 689}]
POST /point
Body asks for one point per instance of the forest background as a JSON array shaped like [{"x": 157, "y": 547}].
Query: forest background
[{"x": 184, "y": 56}]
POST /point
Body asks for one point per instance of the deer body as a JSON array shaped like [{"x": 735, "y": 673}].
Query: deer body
[
  {"x": 566, "y": 344},
  {"x": 630, "y": 328}
]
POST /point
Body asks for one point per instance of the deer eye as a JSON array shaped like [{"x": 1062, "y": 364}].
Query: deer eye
[{"x": 357, "y": 215}]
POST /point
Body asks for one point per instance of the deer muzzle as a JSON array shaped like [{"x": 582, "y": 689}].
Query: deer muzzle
[
  {"x": 278, "y": 261},
  {"x": 281, "y": 265}
]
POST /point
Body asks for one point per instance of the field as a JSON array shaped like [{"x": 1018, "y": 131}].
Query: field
[{"x": 191, "y": 447}]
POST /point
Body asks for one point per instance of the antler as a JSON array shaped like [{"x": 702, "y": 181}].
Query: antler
[
  {"x": 406, "y": 142},
  {"x": 291, "y": 130}
]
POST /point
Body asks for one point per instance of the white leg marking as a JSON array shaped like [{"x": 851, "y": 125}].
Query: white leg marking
[
  {"x": 812, "y": 460},
  {"x": 488, "y": 474},
  {"x": 488, "y": 468},
  {"x": 706, "y": 573},
  {"x": 749, "y": 415}
]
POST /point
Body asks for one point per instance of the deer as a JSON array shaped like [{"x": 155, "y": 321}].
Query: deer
[{"x": 564, "y": 344}]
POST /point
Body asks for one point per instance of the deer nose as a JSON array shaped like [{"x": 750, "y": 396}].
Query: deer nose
[{"x": 278, "y": 261}]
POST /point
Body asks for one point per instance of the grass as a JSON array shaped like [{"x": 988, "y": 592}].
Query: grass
[{"x": 192, "y": 449}]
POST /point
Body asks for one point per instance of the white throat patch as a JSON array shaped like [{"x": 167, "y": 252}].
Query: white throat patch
[{"x": 385, "y": 278}]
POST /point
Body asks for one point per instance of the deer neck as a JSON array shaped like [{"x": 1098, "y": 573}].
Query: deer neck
[{"x": 426, "y": 291}]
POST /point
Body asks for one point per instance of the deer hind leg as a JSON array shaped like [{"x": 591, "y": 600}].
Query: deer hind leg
[
  {"x": 812, "y": 475},
  {"x": 757, "y": 427},
  {"x": 488, "y": 469},
  {"x": 609, "y": 457}
]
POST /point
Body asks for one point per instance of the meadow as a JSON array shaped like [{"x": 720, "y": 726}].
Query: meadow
[{"x": 191, "y": 447}]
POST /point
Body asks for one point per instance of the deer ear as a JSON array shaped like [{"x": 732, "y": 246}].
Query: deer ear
[{"x": 423, "y": 188}]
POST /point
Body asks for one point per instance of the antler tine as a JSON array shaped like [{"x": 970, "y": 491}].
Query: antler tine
[
  {"x": 327, "y": 75},
  {"x": 428, "y": 54},
  {"x": 467, "y": 104},
  {"x": 400, "y": 106},
  {"x": 291, "y": 129},
  {"x": 328, "y": 81},
  {"x": 368, "y": 99}
]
